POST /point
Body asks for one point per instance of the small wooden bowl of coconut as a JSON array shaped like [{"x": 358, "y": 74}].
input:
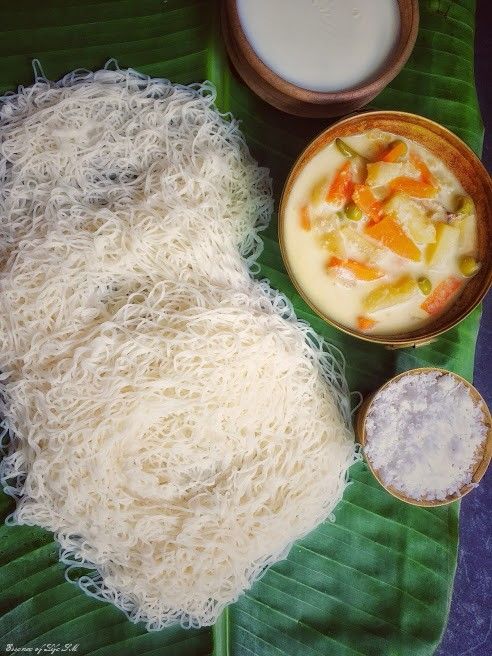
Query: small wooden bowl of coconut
[{"x": 426, "y": 436}]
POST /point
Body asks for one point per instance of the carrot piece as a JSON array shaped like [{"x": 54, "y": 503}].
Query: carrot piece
[
  {"x": 357, "y": 269},
  {"x": 342, "y": 187},
  {"x": 437, "y": 299},
  {"x": 395, "y": 152},
  {"x": 368, "y": 203},
  {"x": 304, "y": 219},
  {"x": 421, "y": 166},
  {"x": 389, "y": 232},
  {"x": 412, "y": 187},
  {"x": 365, "y": 323}
]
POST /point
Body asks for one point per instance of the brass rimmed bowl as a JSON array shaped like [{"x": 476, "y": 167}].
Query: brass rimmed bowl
[
  {"x": 299, "y": 101},
  {"x": 482, "y": 460},
  {"x": 465, "y": 165}
]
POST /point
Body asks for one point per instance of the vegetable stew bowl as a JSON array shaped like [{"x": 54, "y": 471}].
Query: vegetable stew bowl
[
  {"x": 475, "y": 180},
  {"x": 482, "y": 460}
]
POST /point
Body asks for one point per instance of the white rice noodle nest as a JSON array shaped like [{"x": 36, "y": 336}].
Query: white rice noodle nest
[{"x": 168, "y": 417}]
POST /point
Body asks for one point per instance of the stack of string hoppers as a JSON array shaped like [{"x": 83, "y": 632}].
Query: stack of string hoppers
[{"x": 166, "y": 415}]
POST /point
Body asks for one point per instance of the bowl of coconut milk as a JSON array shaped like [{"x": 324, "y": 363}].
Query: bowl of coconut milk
[{"x": 319, "y": 58}]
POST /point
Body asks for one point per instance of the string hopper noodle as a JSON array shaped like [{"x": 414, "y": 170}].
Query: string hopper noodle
[{"x": 167, "y": 416}]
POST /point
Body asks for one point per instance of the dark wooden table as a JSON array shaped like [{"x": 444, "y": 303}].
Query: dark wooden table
[{"x": 469, "y": 630}]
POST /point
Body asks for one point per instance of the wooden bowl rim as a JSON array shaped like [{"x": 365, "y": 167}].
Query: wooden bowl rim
[
  {"x": 398, "y": 340},
  {"x": 482, "y": 463},
  {"x": 390, "y": 69}
]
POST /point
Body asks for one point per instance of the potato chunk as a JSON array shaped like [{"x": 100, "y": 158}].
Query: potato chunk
[
  {"x": 445, "y": 246},
  {"x": 390, "y": 294},
  {"x": 466, "y": 224},
  {"x": 381, "y": 173},
  {"x": 332, "y": 242},
  {"x": 413, "y": 217},
  {"x": 319, "y": 191},
  {"x": 359, "y": 246}
]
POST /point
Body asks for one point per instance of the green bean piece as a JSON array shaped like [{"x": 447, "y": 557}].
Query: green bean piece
[
  {"x": 465, "y": 205},
  {"x": 468, "y": 266},
  {"x": 425, "y": 285},
  {"x": 345, "y": 149}
]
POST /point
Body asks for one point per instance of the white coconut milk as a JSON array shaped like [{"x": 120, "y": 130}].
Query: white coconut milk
[{"x": 322, "y": 45}]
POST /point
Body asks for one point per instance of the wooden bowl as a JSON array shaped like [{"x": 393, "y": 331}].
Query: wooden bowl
[
  {"x": 294, "y": 99},
  {"x": 483, "y": 457},
  {"x": 466, "y": 167}
]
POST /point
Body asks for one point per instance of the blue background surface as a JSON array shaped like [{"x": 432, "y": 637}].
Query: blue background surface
[{"x": 469, "y": 630}]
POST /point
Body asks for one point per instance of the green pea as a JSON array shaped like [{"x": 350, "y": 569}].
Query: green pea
[
  {"x": 465, "y": 205},
  {"x": 468, "y": 266},
  {"x": 345, "y": 149},
  {"x": 353, "y": 212},
  {"x": 425, "y": 285}
]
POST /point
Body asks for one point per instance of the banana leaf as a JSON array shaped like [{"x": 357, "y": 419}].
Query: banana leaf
[{"x": 378, "y": 581}]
